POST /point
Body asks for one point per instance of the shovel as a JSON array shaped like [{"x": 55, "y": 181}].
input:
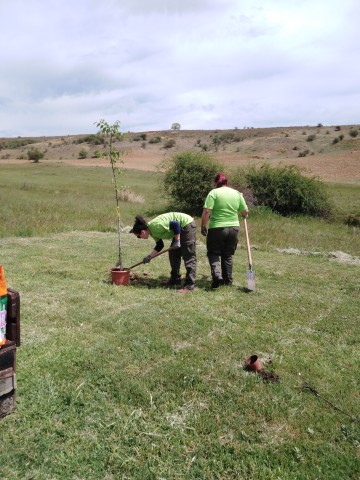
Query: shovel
[
  {"x": 250, "y": 275},
  {"x": 140, "y": 263}
]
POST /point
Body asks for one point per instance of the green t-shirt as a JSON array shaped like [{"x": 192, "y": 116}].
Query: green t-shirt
[
  {"x": 225, "y": 203},
  {"x": 160, "y": 226}
]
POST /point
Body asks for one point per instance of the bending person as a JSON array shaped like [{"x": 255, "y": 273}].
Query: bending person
[
  {"x": 222, "y": 206},
  {"x": 181, "y": 229}
]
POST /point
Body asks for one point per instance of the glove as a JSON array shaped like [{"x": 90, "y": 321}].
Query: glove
[
  {"x": 175, "y": 244},
  {"x": 147, "y": 259},
  {"x": 203, "y": 230}
]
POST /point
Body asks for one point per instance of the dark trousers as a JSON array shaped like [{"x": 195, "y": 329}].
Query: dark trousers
[
  {"x": 187, "y": 251},
  {"x": 221, "y": 245}
]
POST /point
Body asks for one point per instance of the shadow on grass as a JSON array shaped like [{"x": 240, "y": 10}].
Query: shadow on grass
[{"x": 159, "y": 283}]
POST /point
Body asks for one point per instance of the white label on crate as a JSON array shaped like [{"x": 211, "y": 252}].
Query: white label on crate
[{"x": 2, "y": 324}]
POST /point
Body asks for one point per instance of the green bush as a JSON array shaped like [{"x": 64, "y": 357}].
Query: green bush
[
  {"x": 16, "y": 143},
  {"x": 35, "y": 155},
  {"x": 188, "y": 178},
  {"x": 304, "y": 153},
  {"x": 155, "y": 140},
  {"x": 286, "y": 191},
  {"x": 169, "y": 143},
  {"x": 353, "y": 133},
  {"x": 83, "y": 153},
  {"x": 92, "y": 139}
]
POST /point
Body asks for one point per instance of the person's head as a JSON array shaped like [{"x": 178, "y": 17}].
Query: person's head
[
  {"x": 140, "y": 228},
  {"x": 220, "y": 180}
]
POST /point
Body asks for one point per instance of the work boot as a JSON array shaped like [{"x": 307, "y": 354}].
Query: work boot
[
  {"x": 171, "y": 282},
  {"x": 217, "y": 282}
]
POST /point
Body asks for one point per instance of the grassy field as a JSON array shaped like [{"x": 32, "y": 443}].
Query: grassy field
[{"x": 137, "y": 382}]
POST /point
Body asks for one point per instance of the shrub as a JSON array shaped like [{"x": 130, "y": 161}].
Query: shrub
[
  {"x": 188, "y": 178},
  {"x": 353, "y": 220},
  {"x": 216, "y": 142},
  {"x": 92, "y": 139},
  {"x": 336, "y": 140},
  {"x": 304, "y": 153},
  {"x": 227, "y": 137},
  {"x": 155, "y": 140},
  {"x": 83, "y": 153},
  {"x": 353, "y": 133},
  {"x": 286, "y": 191},
  {"x": 35, "y": 155},
  {"x": 12, "y": 144},
  {"x": 311, "y": 138},
  {"x": 169, "y": 143}
]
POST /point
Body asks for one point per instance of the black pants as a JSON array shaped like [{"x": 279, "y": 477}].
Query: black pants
[
  {"x": 187, "y": 251},
  {"x": 221, "y": 245}
]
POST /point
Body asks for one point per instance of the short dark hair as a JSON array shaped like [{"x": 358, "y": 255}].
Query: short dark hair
[{"x": 139, "y": 225}]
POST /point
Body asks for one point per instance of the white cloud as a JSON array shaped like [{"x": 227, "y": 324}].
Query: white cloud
[{"x": 202, "y": 63}]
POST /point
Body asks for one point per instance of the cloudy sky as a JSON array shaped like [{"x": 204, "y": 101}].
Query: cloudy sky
[{"x": 205, "y": 64}]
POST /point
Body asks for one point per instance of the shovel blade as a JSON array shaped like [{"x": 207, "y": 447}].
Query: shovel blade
[{"x": 250, "y": 275}]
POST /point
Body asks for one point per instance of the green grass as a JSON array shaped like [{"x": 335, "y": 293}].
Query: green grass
[
  {"x": 346, "y": 199},
  {"x": 136, "y": 382},
  {"x": 38, "y": 199}
]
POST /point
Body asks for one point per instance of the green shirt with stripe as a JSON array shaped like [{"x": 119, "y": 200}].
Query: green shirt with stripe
[{"x": 159, "y": 226}]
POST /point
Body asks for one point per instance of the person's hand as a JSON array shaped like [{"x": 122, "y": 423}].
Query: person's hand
[
  {"x": 175, "y": 244},
  {"x": 203, "y": 230},
  {"x": 147, "y": 259}
]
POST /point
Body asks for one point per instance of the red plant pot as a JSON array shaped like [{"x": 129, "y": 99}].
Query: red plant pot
[
  {"x": 253, "y": 363},
  {"x": 120, "y": 277}
]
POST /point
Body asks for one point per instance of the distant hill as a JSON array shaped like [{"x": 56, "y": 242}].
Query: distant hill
[{"x": 330, "y": 152}]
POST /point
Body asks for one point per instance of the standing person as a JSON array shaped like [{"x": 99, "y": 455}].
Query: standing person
[
  {"x": 222, "y": 206},
  {"x": 181, "y": 229}
]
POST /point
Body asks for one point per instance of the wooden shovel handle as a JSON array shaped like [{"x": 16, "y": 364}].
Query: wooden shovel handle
[
  {"x": 160, "y": 253},
  {"x": 247, "y": 243}
]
